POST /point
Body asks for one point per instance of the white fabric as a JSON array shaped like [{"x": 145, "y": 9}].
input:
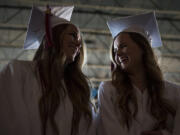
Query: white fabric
[
  {"x": 144, "y": 24},
  {"x": 19, "y": 96},
  {"x": 36, "y": 27},
  {"x": 64, "y": 12},
  {"x": 108, "y": 119}
]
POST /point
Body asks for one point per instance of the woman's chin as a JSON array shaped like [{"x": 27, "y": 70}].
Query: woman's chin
[
  {"x": 70, "y": 59},
  {"x": 124, "y": 66}
]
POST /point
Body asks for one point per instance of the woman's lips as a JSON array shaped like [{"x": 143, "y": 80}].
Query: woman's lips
[
  {"x": 123, "y": 59},
  {"x": 73, "y": 48}
]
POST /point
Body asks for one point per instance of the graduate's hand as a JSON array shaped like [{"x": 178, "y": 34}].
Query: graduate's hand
[{"x": 151, "y": 133}]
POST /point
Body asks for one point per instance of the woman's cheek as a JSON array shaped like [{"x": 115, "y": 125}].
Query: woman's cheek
[{"x": 117, "y": 60}]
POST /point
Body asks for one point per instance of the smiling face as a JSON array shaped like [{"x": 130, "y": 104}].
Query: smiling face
[
  {"x": 71, "y": 43},
  {"x": 127, "y": 53}
]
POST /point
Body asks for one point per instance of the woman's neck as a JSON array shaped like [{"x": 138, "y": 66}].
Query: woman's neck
[{"x": 138, "y": 78}]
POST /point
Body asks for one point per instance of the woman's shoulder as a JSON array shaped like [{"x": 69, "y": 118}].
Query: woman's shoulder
[
  {"x": 106, "y": 83},
  {"x": 17, "y": 67},
  {"x": 20, "y": 64},
  {"x": 171, "y": 86},
  {"x": 106, "y": 87},
  {"x": 172, "y": 91}
]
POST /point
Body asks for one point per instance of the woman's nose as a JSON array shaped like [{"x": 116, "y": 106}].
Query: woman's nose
[
  {"x": 119, "y": 52},
  {"x": 122, "y": 51},
  {"x": 77, "y": 43}
]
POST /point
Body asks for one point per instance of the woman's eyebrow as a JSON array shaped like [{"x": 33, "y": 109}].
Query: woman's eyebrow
[
  {"x": 74, "y": 31},
  {"x": 122, "y": 43}
]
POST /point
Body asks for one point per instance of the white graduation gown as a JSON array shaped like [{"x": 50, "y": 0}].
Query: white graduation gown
[
  {"x": 108, "y": 123},
  {"x": 19, "y": 96}
]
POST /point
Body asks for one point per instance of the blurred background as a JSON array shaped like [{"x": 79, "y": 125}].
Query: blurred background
[{"x": 91, "y": 17}]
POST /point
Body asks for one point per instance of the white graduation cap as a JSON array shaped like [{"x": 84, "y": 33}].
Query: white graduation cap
[
  {"x": 144, "y": 24},
  {"x": 36, "y": 28}
]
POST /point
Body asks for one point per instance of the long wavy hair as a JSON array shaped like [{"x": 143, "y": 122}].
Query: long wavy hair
[
  {"x": 59, "y": 79},
  {"x": 159, "y": 107}
]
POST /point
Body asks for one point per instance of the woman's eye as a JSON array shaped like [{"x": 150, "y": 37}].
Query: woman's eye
[
  {"x": 123, "y": 45},
  {"x": 73, "y": 35}
]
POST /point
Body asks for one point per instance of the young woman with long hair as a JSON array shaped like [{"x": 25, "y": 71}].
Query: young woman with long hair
[
  {"x": 49, "y": 95},
  {"x": 138, "y": 101}
]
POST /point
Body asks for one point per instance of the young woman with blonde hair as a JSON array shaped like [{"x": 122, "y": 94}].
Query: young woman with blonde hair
[{"x": 49, "y": 95}]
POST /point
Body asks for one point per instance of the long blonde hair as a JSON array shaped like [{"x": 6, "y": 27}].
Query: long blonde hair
[
  {"x": 159, "y": 107},
  {"x": 53, "y": 72}
]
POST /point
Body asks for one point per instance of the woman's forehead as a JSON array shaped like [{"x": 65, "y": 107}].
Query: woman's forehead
[
  {"x": 122, "y": 37},
  {"x": 72, "y": 28}
]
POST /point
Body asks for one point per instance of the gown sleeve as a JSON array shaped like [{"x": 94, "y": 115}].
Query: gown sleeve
[
  {"x": 176, "y": 129},
  {"x": 91, "y": 130},
  {"x": 13, "y": 115},
  {"x": 108, "y": 123}
]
